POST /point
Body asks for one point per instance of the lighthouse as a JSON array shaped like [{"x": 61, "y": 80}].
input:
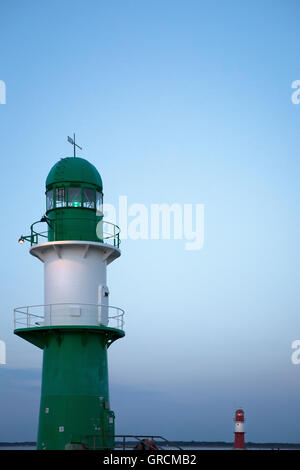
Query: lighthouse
[
  {"x": 76, "y": 324},
  {"x": 239, "y": 433}
]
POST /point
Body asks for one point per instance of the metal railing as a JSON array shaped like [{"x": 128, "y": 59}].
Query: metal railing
[
  {"x": 144, "y": 442},
  {"x": 106, "y": 232},
  {"x": 131, "y": 442},
  {"x": 56, "y": 314},
  {"x": 36, "y": 236}
]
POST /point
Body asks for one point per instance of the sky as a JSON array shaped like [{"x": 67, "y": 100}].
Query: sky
[{"x": 173, "y": 102}]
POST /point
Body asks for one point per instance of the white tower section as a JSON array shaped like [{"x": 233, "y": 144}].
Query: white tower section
[
  {"x": 239, "y": 426},
  {"x": 75, "y": 287}
]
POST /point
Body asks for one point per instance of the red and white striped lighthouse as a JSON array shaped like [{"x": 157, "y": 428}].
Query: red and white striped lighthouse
[{"x": 239, "y": 433}]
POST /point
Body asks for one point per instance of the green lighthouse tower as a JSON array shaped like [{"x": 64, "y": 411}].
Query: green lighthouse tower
[{"x": 76, "y": 324}]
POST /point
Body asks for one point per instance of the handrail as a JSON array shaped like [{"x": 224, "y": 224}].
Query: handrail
[
  {"x": 35, "y": 235},
  {"x": 110, "y": 237},
  {"x": 138, "y": 438},
  {"x": 152, "y": 437},
  {"x": 30, "y": 319}
]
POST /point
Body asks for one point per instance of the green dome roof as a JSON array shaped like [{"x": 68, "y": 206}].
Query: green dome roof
[{"x": 74, "y": 170}]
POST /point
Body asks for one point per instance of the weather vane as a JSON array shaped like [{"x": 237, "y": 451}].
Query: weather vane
[{"x": 72, "y": 142}]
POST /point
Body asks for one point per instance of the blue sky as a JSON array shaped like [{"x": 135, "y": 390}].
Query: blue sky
[{"x": 185, "y": 102}]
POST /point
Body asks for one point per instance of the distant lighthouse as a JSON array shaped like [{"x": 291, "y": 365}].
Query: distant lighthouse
[
  {"x": 239, "y": 433},
  {"x": 76, "y": 324}
]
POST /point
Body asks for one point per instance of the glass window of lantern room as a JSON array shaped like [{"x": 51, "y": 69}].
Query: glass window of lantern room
[
  {"x": 99, "y": 201},
  {"x": 49, "y": 200},
  {"x": 89, "y": 198},
  {"x": 60, "y": 197},
  {"x": 74, "y": 197}
]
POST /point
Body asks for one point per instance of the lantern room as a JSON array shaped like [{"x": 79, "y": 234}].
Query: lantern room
[{"x": 74, "y": 200}]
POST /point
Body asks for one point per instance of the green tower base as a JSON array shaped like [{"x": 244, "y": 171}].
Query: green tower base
[{"x": 74, "y": 409}]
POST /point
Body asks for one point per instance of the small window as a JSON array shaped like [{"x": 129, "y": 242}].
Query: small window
[
  {"x": 60, "y": 197},
  {"x": 74, "y": 199},
  {"x": 99, "y": 202},
  {"x": 89, "y": 198},
  {"x": 49, "y": 200}
]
